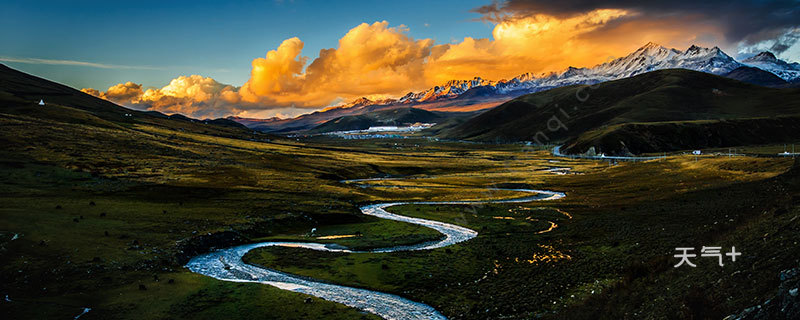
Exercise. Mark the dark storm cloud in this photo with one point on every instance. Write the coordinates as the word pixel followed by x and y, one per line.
pixel 786 41
pixel 748 21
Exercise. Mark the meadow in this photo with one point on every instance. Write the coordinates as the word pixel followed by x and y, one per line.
pixel 105 216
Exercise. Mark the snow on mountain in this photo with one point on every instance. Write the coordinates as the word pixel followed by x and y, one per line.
pixel 449 90
pixel 648 58
pixel 355 104
pixel 768 62
pixel 645 59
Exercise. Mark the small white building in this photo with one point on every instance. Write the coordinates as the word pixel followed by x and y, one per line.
pixel 41 102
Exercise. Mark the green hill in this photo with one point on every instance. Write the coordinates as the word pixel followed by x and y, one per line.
pixel 756 76
pixel 392 117
pixel 603 115
pixel 20 94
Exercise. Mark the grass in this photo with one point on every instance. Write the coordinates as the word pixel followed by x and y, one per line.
pixel 164 190
pixel 156 188
pixel 609 249
pixel 664 110
pixel 377 233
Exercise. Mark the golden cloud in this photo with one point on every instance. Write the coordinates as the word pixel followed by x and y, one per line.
pixel 191 95
pixel 93 92
pixel 128 92
pixel 371 59
pixel 379 61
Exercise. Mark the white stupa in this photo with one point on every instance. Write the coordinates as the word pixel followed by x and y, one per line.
pixel 41 102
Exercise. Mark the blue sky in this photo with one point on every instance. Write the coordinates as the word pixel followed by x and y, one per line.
pixel 143 54
pixel 155 41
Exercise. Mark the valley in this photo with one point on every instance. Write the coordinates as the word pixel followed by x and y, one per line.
pixel 103 226
pixel 114 213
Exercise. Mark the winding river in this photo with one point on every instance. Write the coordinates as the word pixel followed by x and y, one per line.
pixel 227 265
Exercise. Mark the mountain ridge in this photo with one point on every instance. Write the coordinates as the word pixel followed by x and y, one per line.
pixel 460 93
pixel 391 117
pixel 677 97
pixel 21 92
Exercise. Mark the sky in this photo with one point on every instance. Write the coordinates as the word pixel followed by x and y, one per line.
pixel 284 58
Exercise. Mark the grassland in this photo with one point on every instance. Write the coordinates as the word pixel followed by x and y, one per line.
pixel 664 110
pixel 614 255
pixel 92 210
pixel 103 213
pixel 189 185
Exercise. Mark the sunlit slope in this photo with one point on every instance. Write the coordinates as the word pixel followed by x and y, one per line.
pixel 392 117
pixel 20 94
pixel 587 114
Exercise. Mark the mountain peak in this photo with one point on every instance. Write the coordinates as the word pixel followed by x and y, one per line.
pixel 649 57
pixel 694 48
pixel 650 45
pixel 763 56
pixel 361 101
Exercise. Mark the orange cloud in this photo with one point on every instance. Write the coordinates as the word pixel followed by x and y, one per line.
pixel 380 61
pixel 279 74
pixel 191 95
pixel 93 92
pixel 124 92
pixel 128 92
pixel 371 59
pixel 529 44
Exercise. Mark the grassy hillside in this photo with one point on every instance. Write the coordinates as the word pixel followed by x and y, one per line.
pixel 392 117
pixel 20 94
pixel 103 213
pixel 756 76
pixel 653 137
pixel 101 210
pixel 564 114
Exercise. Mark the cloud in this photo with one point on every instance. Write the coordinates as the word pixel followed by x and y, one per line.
pixel 193 95
pixel 378 60
pixel 70 63
pixel 124 92
pixel 779 43
pixel 93 92
pixel 747 22
pixel 370 59
pixel 128 93
pixel 528 44
pixel 277 74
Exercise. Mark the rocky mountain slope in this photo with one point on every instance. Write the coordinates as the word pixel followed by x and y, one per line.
pixel 657 111
pixel 456 94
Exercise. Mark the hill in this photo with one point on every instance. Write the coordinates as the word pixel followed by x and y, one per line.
pixel 481 94
pixel 20 93
pixel 581 116
pixel 756 76
pixel 392 117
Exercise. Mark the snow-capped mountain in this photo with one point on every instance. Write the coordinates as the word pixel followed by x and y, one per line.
pixel 768 62
pixel 648 58
pixel 451 89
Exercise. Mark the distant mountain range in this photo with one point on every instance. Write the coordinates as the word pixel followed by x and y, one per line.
pixel 391 117
pixel 657 111
pixel 768 62
pixel 478 93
